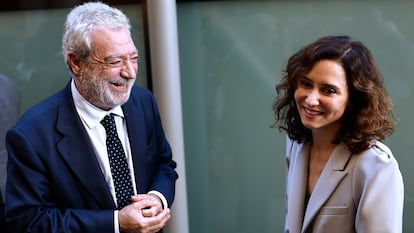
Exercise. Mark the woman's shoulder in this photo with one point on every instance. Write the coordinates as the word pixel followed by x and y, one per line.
pixel 378 151
pixel 376 158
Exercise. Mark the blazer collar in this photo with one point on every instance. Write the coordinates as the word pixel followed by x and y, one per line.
pixel 331 176
pixel 296 189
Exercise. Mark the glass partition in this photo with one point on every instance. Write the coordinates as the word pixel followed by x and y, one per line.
pixel 232 54
pixel 31 50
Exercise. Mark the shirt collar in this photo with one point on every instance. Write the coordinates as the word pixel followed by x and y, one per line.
pixel 90 114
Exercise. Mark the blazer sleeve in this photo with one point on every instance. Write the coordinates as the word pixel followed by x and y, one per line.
pixel 153 162
pixel 164 176
pixel 380 186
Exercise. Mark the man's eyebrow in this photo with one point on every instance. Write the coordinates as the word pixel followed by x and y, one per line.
pixel 115 56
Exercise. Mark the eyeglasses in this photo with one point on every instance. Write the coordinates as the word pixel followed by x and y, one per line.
pixel 115 62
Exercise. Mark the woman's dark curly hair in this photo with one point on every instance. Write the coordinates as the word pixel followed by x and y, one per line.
pixel 369 114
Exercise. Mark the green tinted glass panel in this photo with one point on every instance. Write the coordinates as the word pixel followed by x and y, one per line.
pixel 31 55
pixel 232 54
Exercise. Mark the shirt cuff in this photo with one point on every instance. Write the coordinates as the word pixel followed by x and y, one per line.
pixel 163 200
pixel 116 222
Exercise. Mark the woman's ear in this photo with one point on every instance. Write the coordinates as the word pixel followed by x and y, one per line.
pixel 74 63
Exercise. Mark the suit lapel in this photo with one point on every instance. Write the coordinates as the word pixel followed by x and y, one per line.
pixel 76 149
pixel 331 176
pixel 297 187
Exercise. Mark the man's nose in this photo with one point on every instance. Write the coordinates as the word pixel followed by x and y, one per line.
pixel 130 68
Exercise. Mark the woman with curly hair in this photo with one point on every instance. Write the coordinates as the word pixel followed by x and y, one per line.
pixel 333 105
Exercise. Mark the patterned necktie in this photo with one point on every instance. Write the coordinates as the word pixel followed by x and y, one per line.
pixel 118 163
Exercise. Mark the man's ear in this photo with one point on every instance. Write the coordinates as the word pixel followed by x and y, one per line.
pixel 74 63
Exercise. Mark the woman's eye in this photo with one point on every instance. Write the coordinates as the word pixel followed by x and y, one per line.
pixel 330 91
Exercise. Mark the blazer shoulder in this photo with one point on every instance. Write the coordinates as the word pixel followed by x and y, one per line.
pixel 142 98
pixel 379 152
pixel 378 158
pixel 140 92
pixel 45 111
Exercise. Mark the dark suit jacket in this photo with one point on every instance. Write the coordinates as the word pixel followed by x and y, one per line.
pixel 54 181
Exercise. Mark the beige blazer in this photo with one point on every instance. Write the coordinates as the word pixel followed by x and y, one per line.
pixel 361 193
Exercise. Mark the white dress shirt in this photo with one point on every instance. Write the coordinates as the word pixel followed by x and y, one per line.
pixel 91 117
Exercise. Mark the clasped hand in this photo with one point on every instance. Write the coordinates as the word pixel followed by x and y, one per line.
pixel 144 215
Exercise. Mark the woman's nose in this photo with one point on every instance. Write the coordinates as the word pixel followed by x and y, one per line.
pixel 312 98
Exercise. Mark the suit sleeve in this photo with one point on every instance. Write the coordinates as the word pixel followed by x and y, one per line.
pixel 31 203
pixel 380 186
pixel 164 175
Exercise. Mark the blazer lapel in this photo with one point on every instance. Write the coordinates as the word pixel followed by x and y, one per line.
pixel 76 149
pixel 331 176
pixel 296 189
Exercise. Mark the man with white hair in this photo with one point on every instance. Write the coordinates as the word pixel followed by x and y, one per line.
pixel 93 157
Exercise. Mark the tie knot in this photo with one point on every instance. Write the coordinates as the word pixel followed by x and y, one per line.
pixel 108 123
